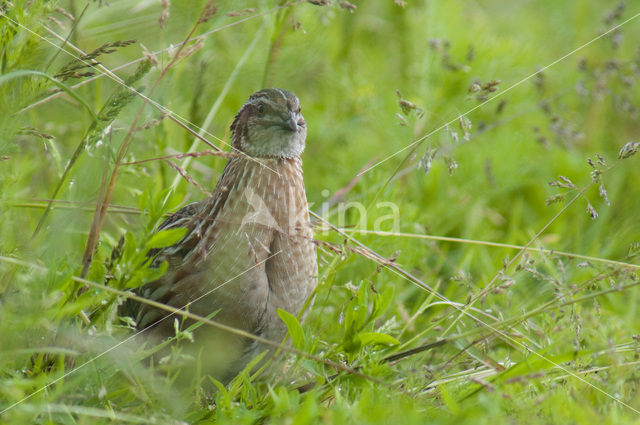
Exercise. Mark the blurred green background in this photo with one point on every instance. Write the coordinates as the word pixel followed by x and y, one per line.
pixel 443 99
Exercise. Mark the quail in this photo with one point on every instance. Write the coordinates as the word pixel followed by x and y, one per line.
pixel 249 249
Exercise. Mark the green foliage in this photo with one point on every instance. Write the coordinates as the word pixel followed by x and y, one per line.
pixel 166 238
pixel 360 314
pixel 433 140
pixel 295 329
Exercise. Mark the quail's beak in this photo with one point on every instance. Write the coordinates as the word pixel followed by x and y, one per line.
pixel 291 123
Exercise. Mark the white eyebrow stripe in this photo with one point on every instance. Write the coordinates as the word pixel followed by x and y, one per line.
pixel 284 96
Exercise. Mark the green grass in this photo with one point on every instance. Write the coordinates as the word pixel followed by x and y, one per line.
pixel 518 336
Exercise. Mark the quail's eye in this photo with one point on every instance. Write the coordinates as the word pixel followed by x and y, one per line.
pixel 260 108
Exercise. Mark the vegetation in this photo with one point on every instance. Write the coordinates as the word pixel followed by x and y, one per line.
pixel 475 159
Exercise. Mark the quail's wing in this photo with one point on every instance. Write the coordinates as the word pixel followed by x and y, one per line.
pixel 182 218
pixel 185 217
pixel 197 218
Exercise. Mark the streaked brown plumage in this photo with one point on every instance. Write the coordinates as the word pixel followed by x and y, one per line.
pixel 249 246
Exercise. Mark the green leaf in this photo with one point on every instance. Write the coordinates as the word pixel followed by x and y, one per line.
pixel 377 338
pixel 449 400
pixel 166 237
pixel 355 316
pixel 295 330
pixel 129 249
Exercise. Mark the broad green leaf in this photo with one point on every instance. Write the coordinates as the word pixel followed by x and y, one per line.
pixel 166 237
pixel 377 338
pixel 295 330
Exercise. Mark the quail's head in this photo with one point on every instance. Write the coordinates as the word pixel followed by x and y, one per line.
pixel 270 125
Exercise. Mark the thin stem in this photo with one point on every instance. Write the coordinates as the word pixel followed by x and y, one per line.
pixel 493 244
